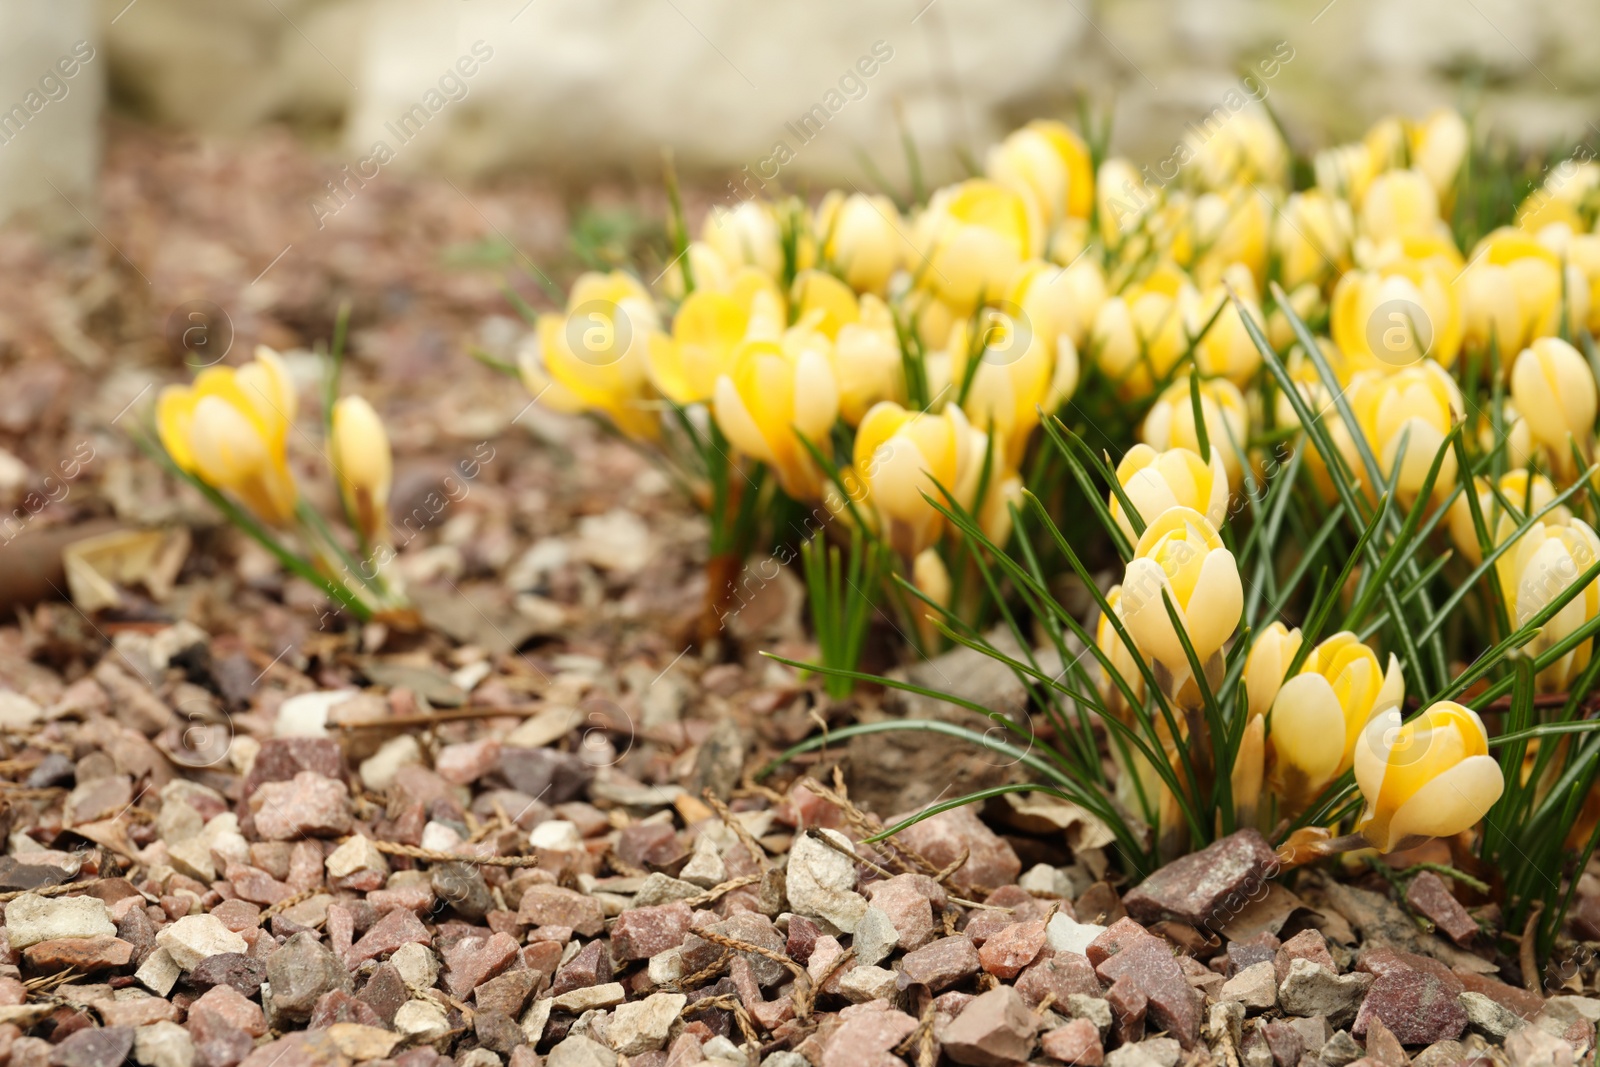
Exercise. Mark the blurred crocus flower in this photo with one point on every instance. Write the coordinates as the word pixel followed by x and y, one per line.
pixel 230 429
pixel 362 463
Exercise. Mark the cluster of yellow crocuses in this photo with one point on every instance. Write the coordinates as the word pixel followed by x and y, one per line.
pixel 874 358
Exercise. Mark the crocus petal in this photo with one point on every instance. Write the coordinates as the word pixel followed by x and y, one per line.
pixel 1452 802
pixel 1145 615
pixel 1308 729
pixel 1215 605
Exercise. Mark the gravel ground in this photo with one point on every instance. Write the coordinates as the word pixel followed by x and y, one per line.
pixel 531 826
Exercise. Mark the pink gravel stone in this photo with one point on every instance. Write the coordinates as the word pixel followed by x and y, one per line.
pixel 1141 965
pixel 397 928
pixel 307 806
pixel 910 901
pixel 417 898
pixel 1428 894
pixel 233 1008
pixel 943 838
pixel 940 964
pixel 1078 1042
pixel 865 1038
pixel 640 933
pixel 465 763
pixel 1306 945
pixel 1006 953
pixel 1057 976
pixel 995 1030
pixel 473 959
pixel 549 905
pixel 256 886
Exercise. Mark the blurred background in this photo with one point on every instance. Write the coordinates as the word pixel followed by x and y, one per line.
pixel 576 91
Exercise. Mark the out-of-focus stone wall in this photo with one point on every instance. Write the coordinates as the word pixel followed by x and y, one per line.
pixel 571 86
pixel 51 88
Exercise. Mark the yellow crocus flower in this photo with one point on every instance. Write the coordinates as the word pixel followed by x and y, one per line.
pixel 774 392
pixel 1430 777
pixel 597 349
pixel 230 429
pixel 970 240
pixel 1181 555
pixel 1318 715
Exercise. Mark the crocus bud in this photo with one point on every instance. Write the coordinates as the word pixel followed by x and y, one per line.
pixel 1247 148
pixel 866 359
pixel 1543 564
pixel 1430 777
pixel 901 455
pixel 1139 336
pixel 1438 146
pixel 773 393
pixel 1414 408
pixel 1512 292
pixel 1181 556
pixel 863 238
pixel 1527 492
pixel 708 327
pixel 1346 171
pixel 1396 316
pixel 971 239
pixel 1170 422
pixel 746 235
pixel 1011 379
pixel 1060 300
pixel 362 463
pixel 932 579
pixel 1554 389
pixel 1274 649
pixel 1155 482
pixel 1047 164
pixel 1226 350
pixel 1319 714
pixel 1122 661
pixel 1249 771
pixel 1223 231
pixel 597 349
pixel 1312 238
pixel 1399 203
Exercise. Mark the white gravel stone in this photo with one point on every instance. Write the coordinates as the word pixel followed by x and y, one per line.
pixel 379 769
pixel 643 1025
pixel 356 854
pixel 197 937
pixel 578 1001
pixel 705 867
pixel 159 972
pixel 861 984
pixel 556 835
pixel 1255 987
pixel 666 967
pixel 875 937
pixel 306 715
pixel 32 918
pixel 418 966
pixel 421 1020
pixel 821 881
pixel 1065 935
pixel 163 1044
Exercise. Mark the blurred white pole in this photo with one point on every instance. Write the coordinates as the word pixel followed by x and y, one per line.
pixel 52 87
